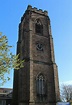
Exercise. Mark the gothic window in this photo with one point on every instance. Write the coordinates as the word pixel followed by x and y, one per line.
pixel 41 89
pixel 38 27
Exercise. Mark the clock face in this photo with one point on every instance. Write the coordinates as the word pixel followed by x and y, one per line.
pixel 39 46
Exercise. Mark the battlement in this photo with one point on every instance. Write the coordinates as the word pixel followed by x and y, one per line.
pixel 37 10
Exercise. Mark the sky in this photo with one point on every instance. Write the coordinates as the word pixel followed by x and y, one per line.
pixel 60 13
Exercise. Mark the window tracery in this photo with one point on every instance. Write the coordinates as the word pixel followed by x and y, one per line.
pixel 41 89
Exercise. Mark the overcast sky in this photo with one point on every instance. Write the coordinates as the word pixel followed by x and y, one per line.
pixel 60 13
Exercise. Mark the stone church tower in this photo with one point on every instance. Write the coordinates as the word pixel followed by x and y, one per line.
pixel 36 83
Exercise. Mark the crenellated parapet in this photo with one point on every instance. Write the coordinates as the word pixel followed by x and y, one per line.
pixel 37 10
pixel 30 10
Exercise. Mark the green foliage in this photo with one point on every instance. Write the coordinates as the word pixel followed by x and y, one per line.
pixel 8 61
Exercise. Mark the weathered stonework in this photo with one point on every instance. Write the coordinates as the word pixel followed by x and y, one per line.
pixel 37 60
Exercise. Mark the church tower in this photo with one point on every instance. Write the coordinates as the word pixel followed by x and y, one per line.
pixel 36 83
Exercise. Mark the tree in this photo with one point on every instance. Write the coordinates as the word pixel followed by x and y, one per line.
pixel 8 61
pixel 66 93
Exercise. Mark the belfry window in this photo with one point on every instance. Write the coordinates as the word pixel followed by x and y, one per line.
pixel 38 27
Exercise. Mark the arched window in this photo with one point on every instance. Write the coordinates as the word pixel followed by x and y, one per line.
pixel 38 27
pixel 41 91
